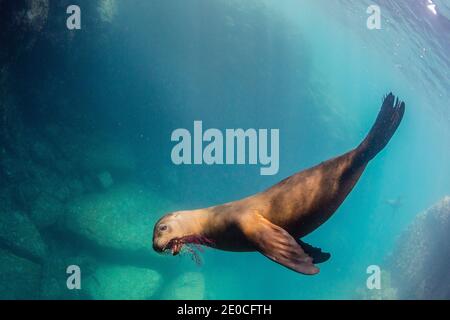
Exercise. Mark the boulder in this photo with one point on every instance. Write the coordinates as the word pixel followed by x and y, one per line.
pixel 43 181
pixel 420 263
pixel 121 218
pixel 188 286
pixel 54 275
pixel 37 14
pixel 19 277
pixel 107 10
pixel 20 236
pixel 46 210
pixel 122 282
pixel 41 151
pixel 105 179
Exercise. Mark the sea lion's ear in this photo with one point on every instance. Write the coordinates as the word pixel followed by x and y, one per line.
pixel 277 244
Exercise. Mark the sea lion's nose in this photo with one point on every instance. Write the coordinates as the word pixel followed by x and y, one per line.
pixel 156 247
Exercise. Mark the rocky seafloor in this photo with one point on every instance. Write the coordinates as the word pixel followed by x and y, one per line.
pixel 68 196
pixel 57 211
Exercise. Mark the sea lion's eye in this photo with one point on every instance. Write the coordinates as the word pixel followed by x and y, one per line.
pixel 163 227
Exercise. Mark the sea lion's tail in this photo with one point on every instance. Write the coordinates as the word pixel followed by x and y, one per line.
pixel 387 122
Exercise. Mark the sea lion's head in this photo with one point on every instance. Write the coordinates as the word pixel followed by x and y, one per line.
pixel 170 232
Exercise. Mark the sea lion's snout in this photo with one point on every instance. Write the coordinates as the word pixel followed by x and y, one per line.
pixel 160 237
pixel 157 248
pixel 174 245
pixel 166 233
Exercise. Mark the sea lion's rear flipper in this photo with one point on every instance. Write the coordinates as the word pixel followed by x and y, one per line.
pixel 388 120
pixel 277 244
pixel 316 253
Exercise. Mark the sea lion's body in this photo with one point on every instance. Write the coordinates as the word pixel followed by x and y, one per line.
pixel 272 221
pixel 299 204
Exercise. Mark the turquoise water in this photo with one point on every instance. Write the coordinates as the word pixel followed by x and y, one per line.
pixel 137 70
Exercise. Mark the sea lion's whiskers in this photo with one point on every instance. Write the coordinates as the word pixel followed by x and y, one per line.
pixel 195 256
pixel 193 245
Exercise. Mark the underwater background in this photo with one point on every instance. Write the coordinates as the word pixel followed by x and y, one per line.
pixel 86 118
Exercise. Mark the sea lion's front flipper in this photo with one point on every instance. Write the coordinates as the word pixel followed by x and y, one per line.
pixel 277 244
pixel 316 253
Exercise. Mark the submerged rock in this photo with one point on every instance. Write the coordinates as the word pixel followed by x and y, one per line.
pixel 420 263
pixel 121 218
pixel 188 286
pixel 41 151
pixel 37 14
pixel 105 179
pixel 46 210
pixel 122 282
pixel 107 10
pixel 20 236
pixel 43 181
pixel 19 277
pixel 54 275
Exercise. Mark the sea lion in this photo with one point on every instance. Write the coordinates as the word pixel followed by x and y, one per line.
pixel 273 221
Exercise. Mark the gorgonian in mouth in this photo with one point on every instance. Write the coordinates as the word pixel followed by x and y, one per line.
pixel 191 243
